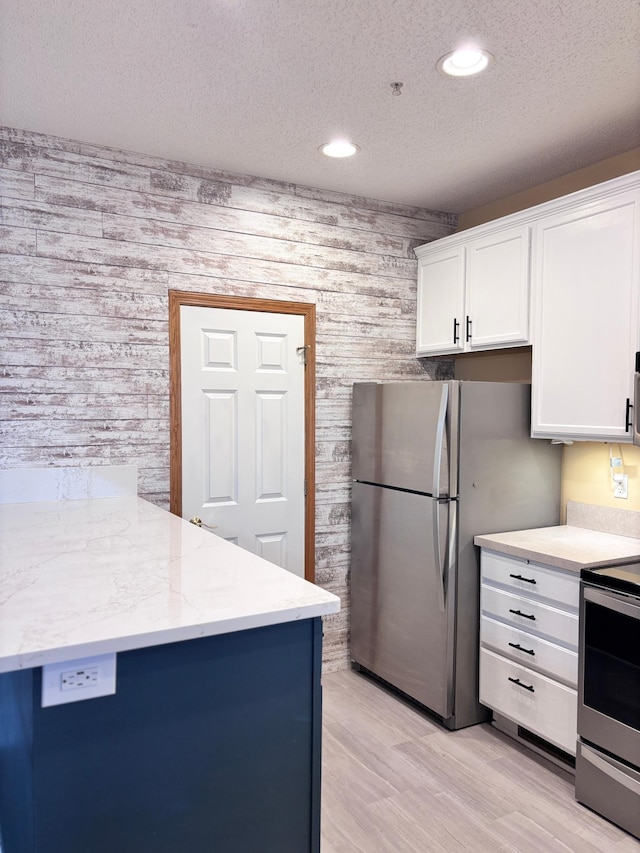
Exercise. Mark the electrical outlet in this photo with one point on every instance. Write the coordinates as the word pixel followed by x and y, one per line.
pixel 621 485
pixel 80 679
pixel 73 680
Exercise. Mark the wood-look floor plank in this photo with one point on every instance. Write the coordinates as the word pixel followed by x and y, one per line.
pixel 380 715
pixel 395 781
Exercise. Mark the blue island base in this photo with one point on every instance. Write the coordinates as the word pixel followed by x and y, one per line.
pixel 208 746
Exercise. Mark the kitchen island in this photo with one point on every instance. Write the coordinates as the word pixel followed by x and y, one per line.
pixel 211 740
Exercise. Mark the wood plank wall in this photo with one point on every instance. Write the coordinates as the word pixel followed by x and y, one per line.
pixel 92 239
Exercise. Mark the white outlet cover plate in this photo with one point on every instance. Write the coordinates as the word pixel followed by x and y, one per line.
pixel 52 673
pixel 621 487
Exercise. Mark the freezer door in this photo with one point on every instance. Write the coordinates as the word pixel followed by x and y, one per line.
pixel 401 434
pixel 398 630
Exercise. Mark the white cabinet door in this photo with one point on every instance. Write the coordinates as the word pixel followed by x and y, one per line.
pixel 441 302
pixel 498 290
pixel 523 576
pixel 540 655
pixel 586 279
pixel 532 700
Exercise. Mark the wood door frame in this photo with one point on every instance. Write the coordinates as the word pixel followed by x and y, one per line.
pixel 177 298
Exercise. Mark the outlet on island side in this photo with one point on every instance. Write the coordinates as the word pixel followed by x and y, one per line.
pixel 74 680
pixel 80 679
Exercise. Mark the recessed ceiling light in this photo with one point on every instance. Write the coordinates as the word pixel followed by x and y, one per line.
pixel 464 62
pixel 339 148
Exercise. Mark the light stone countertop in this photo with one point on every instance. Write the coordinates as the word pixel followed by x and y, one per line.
pixel 86 577
pixel 564 546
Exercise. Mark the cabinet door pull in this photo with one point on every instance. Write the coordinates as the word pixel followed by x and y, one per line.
pixel 456 326
pixel 469 321
pixel 528 687
pixel 520 613
pixel 522 578
pixel 522 649
pixel 627 412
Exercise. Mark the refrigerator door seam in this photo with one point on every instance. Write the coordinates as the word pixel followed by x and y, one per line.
pixel 393 489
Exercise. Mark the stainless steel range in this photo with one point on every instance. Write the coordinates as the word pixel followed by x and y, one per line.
pixel 608 754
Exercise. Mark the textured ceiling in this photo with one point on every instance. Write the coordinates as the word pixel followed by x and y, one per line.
pixel 255 86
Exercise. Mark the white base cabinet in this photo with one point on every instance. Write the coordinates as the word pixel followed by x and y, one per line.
pixel 549 658
pixel 529 646
pixel 539 704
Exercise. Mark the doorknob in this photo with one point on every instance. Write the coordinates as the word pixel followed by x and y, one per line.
pixel 200 523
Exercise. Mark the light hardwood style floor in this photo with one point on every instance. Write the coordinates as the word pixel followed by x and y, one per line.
pixel 394 781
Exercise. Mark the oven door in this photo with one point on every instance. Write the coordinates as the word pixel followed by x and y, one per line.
pixel 609 672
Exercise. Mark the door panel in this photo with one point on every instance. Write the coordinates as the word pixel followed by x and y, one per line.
pixel 243 464
pixel 397 628
pixel 271 435
pixel 221 418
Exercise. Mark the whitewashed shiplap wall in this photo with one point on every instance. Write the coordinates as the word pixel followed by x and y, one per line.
pixel 92 239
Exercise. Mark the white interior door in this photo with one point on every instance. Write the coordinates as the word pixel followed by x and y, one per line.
pixel 242 391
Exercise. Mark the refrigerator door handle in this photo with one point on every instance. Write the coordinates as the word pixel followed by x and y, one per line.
pixel 437 460
pixel 440 428
pixel 437 554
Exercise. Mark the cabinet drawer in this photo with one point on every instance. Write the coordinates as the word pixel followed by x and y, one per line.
pixel 548 709
pixel 532 579
pixel 530 651
pixel 531 616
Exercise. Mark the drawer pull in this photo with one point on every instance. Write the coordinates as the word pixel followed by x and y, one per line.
pixel 522 578
pixel 528 687
pixel 521 648
pixel 520 613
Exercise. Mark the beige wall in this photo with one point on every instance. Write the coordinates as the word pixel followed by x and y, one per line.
pixel 506 365
pixel 92 240
pixel 586 474
pixel 605 170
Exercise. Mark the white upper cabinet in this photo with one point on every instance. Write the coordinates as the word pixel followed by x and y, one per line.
pixel 576 261
pixel 473 291
pixel 498 289
pixel 586 280
pixel 440 301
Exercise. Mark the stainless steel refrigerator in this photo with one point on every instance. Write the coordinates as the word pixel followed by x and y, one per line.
pixel 435 463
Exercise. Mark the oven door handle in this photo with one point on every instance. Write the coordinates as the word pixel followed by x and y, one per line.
pixel 610 770
pixel 613 601
pixel 635 423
